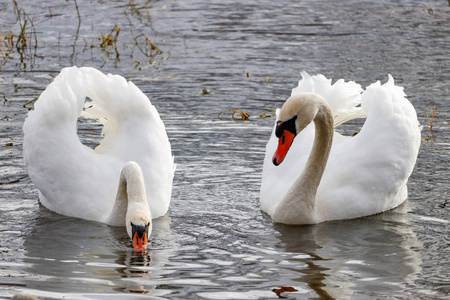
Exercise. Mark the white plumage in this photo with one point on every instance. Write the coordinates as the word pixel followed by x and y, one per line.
pixel 365 174
pixel 77 181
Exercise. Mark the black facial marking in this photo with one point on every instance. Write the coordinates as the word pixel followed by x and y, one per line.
pixel 289 125
pixel 139 229
pixel 279 130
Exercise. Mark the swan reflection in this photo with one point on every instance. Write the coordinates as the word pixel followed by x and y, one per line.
pixel 82 256
pixel 340 258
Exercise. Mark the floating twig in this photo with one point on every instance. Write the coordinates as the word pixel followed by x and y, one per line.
pixel 72 56
pixel 267 114
pixel 238 114
pixel 146 47
pixel 30 102
pixel 110 40
pixel 432 118
pixel 26 36
pixel 284 289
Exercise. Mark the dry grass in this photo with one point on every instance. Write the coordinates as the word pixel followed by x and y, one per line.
pixel 22 41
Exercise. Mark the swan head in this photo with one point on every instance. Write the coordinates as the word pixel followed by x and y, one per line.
pixel 139 228
pixel 296 113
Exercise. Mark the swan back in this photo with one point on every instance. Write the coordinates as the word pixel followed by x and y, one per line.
pixel 383 155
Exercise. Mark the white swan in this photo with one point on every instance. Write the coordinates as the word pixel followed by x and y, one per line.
pixel 324 178
pixel 77 181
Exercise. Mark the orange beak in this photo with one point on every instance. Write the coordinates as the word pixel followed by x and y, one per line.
pixel 140 243
pixel 284 143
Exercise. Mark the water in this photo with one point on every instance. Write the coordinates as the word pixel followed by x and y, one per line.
pixel 215 243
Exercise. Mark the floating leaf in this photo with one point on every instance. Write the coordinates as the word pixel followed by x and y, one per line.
pixel 203 92
pixel 283 289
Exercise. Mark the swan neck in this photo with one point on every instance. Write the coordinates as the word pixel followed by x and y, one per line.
pixel 298 206
pixel 131 191
pixel 317 160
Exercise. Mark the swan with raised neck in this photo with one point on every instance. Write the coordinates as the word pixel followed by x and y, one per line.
pixel 298 205
pixel 131 207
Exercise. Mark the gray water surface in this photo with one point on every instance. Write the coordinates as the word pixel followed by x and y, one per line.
pixel 215 243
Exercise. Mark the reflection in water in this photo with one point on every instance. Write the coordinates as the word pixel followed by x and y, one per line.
pixel 92 257
pixel 133 265
pixel 137 259
pixel 301 239
pixel 374 254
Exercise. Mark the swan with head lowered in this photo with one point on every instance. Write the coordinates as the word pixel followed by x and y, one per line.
pixel 127 179
pixel 313 174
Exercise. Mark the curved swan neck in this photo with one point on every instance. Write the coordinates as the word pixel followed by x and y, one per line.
pixel 298 206
pixel 131 194
pixel 317 160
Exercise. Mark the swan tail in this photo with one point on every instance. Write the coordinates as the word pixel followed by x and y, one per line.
pixel 388 99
